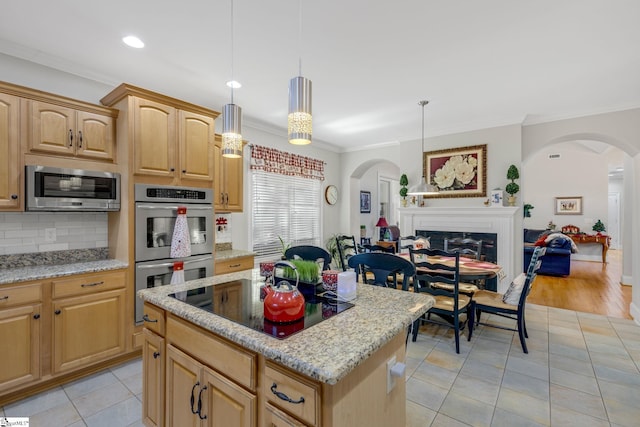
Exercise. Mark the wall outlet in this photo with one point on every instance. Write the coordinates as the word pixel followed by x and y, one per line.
pixel 50 235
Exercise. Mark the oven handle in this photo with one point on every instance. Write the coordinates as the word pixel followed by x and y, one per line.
pixel 175 207
pixel 170 264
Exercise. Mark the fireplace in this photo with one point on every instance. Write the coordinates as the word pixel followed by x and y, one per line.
pixel 499 224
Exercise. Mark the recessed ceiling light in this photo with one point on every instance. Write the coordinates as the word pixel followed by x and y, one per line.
pixel 234 84
pixel 133 41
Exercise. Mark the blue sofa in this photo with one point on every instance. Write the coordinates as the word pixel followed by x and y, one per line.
pixel 557 260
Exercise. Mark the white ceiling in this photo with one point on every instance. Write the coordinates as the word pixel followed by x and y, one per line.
pixel 479 63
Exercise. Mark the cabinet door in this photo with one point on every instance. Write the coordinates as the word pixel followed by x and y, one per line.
pixel 95 135
pixel 154 138
pixel 153 358
pixel 228 300
pixel 52 128
pixel 225 403
pixel 233 183
pixel 218 176
pixel 88 329
pixel 183 389
pixel 196 140
pixel 19 345
pixel 9 153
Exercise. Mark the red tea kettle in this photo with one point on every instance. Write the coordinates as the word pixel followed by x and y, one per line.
pixel 283 302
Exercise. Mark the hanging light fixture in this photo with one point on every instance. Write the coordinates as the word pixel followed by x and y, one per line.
pixel 423 188
pixel 232 116
pixel 300 121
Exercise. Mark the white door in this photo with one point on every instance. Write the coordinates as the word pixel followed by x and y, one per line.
pixel 613 228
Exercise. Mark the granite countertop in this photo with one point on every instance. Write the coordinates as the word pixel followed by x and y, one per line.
pixel 232 253
pixel 38 272
pixel 327 351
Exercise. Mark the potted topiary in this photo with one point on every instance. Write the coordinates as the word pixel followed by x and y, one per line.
pixel 599 227
pixel 404 181
pixel 512 188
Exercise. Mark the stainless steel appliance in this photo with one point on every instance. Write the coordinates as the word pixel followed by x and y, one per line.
pixel 156 211
pixel 59 189
pixel 150 274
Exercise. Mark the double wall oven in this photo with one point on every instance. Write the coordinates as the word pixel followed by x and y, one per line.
pixel 155 217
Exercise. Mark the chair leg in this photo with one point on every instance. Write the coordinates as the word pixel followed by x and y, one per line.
pixel 470 310
pixel 521 333
pixel 416 327
pixel 456 331
pixel 524 325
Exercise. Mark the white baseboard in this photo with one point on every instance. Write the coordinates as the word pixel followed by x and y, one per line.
pixel 626 280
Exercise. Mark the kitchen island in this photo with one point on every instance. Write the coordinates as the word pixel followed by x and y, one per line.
pixel 197 364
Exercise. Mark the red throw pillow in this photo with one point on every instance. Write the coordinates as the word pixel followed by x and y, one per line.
pixel 540 241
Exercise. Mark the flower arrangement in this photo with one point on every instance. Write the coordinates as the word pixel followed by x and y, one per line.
pixel 458 172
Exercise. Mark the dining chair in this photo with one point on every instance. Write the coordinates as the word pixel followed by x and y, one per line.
pixel 346 249
pixel 466 288
pixel 378 248
pixel 383 265
pixel 311 253
pixel 452 307
pixel 511 304
pixel 467 247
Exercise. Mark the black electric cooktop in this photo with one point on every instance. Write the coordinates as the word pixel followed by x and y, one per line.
pixel 240 301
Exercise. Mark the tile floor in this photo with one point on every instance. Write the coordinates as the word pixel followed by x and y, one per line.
pixel 582 370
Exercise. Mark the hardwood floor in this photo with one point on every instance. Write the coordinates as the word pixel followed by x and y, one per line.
pixel 591 287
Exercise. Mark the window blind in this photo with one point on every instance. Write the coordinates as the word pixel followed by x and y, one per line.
pixel 287 207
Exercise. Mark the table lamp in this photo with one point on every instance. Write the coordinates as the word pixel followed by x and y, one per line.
pixel 382 223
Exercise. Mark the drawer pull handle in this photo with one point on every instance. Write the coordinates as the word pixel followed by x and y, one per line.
pixel 234 265
pixel 79 139
pixel 4 298
pixel 86 285
pixel 284 397
pixel 57 312
pixel 193 397
pixel 36 316
pixel 156 354
pixel 202 417
pixel 70 138
pixel 146 319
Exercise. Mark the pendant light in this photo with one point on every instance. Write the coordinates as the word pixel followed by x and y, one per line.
pixel 232 116
pixel 423 188
pixel 300 121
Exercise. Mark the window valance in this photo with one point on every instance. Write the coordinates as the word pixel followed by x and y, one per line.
pixel 275 161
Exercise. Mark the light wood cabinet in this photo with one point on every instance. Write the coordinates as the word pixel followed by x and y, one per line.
pixel 228 181
pixel 233 265
pixel 227 300
pixel 20 329
pixel 58 129
pixel 153 367
pixel 10 172
pixel 89 326
pixel 170 141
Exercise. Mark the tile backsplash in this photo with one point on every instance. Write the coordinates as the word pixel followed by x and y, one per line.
pixel 27 232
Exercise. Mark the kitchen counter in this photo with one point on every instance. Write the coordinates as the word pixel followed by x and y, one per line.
pixel 328 351
pixel 230 254
pixel 38 272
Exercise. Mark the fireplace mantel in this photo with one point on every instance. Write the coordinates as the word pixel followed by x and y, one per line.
pixel 498 220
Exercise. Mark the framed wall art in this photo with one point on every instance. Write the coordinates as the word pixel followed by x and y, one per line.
pixel 457 172
pixel 568 206
pixel 365 202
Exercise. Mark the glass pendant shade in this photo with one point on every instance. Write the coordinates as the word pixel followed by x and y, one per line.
pixel 300 121
pixel 231 131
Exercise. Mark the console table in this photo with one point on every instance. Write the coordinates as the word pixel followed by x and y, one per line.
pixel 602 239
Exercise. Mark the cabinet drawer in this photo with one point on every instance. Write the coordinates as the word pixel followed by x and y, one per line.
pixel 285 383
pixel 155 318
pixel 86 284
pixel 225 357
pixel 18 295
pixel 277 418
pixel 233 264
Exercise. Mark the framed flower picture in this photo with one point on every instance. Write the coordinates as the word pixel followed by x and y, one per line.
pixel 457 172
pixel 568 206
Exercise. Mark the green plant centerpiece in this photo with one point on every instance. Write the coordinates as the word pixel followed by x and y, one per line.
pixel 283 247
pixel 404 181
pixel 512 188
pixel 598 227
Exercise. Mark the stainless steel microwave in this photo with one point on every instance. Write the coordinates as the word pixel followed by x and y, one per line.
pixel 59 189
